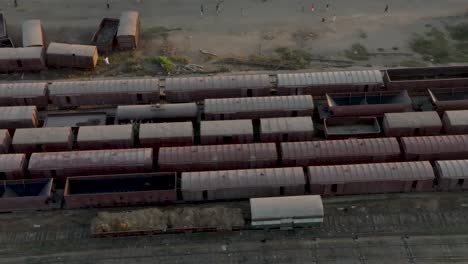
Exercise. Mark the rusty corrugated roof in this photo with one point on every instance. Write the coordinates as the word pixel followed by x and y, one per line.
pixel 435 144
pixel 128 23
pixel 20 89
pixel 103 133
pixel 104 86
pixel 452 169
pixel 393 171
pixel 166 130
pixel 42 135
pixel 330 78
pixel 197 83
pixel 412 120
pixel 286 124
pixel 225 179
pixel 226 127
pixel 248 104
pixel 11 162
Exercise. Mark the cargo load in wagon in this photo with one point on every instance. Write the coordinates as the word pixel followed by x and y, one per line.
pixel 351 127
pixel 104 38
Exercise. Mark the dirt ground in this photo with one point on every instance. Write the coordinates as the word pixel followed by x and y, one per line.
pixel 243 28
pixel 397 228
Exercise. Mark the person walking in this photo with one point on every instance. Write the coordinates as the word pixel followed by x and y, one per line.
pixel 386 9
pixel 218 7
pixel 108 4
pixel 334 19
pixel 326 7
pixel 202 10
pixel 16 3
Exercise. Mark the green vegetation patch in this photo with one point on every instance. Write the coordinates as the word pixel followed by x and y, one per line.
pixel 459 32
pixel 357 52
pixel 433 46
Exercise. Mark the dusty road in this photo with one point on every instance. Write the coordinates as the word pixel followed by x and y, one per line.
pixel 245 27
pixel 421 228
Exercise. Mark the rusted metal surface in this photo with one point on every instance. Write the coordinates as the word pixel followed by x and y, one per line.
pixel 105 137
pixel 320 83
pixel 351 127
pixel 449 99
pixel 412 124
pixel 190 89
pixel 453 174
pixel 128 33
pixel 187 111
pixel 104 38
pixel 23 93
pixel 283 129
pixel 368 104
pixel 5 141
pixel 75 119
pixel 29 140
pixel 71 56
pixel 30 59
pixel 104 92
pixel 371 178
pixel 435 147
pixel 420 79
pixel 218 157
pixel 226 132
pixel 12 166
pixel 90 162
pixel 18 117
pixel 340 151
pixel 31 194
pixel 258 107
pixel 33 33
pixel 456 122
pixel 240 184
pixel 120 190
pixel 166 134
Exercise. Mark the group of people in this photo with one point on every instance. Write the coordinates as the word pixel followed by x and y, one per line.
pixel 218 9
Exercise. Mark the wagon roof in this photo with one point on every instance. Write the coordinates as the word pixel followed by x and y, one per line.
pixel 128 23
pixel 21 53
pixel 247 104
pixel 20 89
pixel 92 158
pixel 11 162
pixel 78 50
pixel 215 153
pixel 330 78
pixel 225 179
pixel 457 118
pixel 17 112
pixel 32 33
pixel 435 144
pixel 166 130
pixel 338 148
pixel 413 119
pixel 402 171
pixel 286 124
pixel 453 169
pixel 197 83
pixel 102 133
pixel 149 85
pixel 42 135
pixel 226 127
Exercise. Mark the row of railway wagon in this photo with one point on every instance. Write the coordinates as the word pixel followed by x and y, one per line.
pixel 230 148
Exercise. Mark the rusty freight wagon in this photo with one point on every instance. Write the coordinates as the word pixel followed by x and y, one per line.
pixel 105 137
pixel 449 99
pixel 29 140
pixel 120 190
pixel 320 83
pixel 18 117
pixel 371 178
pixel 283 129
pixel 128 33
pixel 67 94
pixel 31 194
pixel 22 59
pixel 13 166
pixel 218 157
pixel 435 147
pixel 351 127
pixel 419 79
pixel 191 89
pixel 368 104
pixel 452 174
pixel 5 141
pixel 226 132
pixel 412 124
pixel 258 107
pixel 33 33
pixel 456 122
pixel 75 119
pixel 156 112
pixel 166 135
pixel 242 184
pixel 23 93
pixel 62 55
pixel 90 162
pixel 340 151
pixel 104 38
